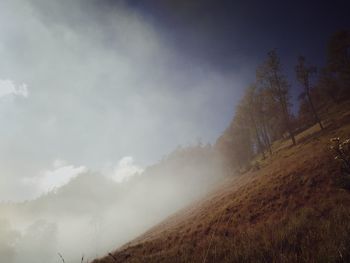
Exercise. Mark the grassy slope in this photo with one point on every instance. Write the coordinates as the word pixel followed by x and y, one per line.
pixel 288 211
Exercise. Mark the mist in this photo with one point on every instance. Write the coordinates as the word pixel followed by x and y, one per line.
pixel 93 99
pixel 101 83
pixel 93 214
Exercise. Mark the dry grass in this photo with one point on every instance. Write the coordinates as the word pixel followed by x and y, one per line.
pixel 288 211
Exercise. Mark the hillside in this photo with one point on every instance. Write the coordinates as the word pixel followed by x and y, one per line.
pixel 289 210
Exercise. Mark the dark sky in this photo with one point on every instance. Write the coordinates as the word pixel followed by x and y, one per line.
pixel 223 32
pixel 230 35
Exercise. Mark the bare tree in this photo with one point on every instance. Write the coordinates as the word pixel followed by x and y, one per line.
pixel 303 73
pixel 270 73
pixel 248 108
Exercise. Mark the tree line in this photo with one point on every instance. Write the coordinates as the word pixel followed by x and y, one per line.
pixel 264 115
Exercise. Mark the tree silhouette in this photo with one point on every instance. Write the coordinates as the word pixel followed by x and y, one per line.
pixel 338 60
pixel 303 74
pixel 270 74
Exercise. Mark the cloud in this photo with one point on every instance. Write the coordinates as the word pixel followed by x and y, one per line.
pixel 126 169
pixel 104 84
pixel 60 174
pixel 8 87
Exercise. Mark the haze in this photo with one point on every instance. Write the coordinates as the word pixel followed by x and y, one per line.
pixel 100 85
pixel 89 98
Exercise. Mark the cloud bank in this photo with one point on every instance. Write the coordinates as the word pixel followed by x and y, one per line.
pixel 126 168
pixel 104 84
pixel 7 87
pixel 50 180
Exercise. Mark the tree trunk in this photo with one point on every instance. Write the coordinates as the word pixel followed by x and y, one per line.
pixel 260 146
pixel 317 119
pixel 267 139
pixel 283 102
pixel 287 120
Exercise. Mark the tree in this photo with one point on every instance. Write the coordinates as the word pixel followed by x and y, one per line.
pixel 328 85
pixel 303 74
pixel 338 60
pixel 339 52
pixel 235 144
pixel 263 111
pixel 270 74
pixel 249 111
pixel 305 118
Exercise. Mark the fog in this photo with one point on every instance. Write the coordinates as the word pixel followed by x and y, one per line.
pixel 93 98
pixel 93 214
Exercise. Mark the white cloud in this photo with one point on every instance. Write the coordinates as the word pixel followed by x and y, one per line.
pixel 60 174
pixel 125 169
pixel 8 87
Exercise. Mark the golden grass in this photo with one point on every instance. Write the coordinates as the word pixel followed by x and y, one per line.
pixel 288 211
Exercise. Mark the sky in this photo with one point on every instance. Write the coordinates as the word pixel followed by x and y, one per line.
pixel 113 86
